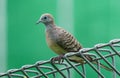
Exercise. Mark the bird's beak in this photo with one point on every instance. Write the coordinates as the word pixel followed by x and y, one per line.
pixel 39 21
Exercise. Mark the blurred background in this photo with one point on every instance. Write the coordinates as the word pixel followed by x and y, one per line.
pixel 23 42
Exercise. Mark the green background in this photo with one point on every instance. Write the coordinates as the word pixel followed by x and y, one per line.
pixel 95 21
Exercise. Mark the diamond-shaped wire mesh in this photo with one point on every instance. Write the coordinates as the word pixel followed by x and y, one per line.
pixel 106 53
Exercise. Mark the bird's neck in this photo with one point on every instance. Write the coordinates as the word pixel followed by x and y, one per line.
pixel 50 26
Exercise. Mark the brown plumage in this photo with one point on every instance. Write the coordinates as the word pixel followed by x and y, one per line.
pixel 59 40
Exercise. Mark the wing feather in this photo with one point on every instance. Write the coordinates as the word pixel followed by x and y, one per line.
pixel 67 41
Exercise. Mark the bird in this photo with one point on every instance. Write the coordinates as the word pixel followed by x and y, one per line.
pixel 61 41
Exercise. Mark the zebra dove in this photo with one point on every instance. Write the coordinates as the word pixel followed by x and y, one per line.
pixel 61 41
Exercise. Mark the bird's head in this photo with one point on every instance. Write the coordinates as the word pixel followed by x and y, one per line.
pixel 46 19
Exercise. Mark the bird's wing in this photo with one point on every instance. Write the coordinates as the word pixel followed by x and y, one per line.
pixel 67 41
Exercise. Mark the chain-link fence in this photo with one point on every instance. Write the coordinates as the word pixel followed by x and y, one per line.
pixel 106 53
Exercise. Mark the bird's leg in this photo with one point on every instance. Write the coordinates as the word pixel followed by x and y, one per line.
pixel 58 58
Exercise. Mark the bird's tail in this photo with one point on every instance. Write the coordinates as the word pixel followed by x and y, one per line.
pixel 78 59
pixel 103 66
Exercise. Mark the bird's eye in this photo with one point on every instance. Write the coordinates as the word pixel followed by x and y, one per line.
pixel 45 17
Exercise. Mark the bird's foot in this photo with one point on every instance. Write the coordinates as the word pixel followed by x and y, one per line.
pixel 59 59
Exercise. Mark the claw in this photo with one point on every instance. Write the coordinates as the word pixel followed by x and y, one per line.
pixel 58 58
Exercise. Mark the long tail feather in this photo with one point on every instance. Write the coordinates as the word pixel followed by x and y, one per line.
pixel 103 66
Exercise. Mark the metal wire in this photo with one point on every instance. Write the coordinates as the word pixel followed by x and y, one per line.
pixel 107 53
